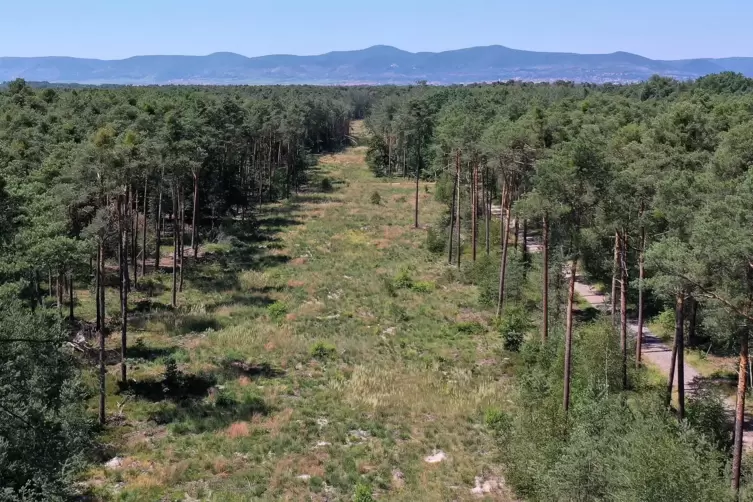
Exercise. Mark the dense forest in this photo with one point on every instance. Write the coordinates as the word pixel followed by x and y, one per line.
pixel 644 189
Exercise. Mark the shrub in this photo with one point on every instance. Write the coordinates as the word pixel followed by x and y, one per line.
pixel 497 420
pixel 363 493
pixel 707 414
pixel 403 280
pixel 277 310
pixel 325 185
pixel 665 324
pixel 401 199
pixel 423 286
pixel 435 242
pixel 513 327
pixel 375 198
pixel 469 327
pixel 323 351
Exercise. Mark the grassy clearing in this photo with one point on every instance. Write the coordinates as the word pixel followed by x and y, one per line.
pixel 320 348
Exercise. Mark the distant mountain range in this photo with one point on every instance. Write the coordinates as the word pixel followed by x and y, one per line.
pixel 375 65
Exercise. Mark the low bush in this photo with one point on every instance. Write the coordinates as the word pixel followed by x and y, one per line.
pixel 375 198
pixel 323 351
pixel 513 327
pixel 435 241
pixel 277 310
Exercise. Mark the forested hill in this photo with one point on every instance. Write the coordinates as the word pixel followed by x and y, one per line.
pixel 375 65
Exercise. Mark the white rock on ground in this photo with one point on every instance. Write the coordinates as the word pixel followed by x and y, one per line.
pixel 438 456
pixel 114 463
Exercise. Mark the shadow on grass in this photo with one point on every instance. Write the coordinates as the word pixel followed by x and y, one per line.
pixel 235 369
pixel 586 315
pixel 143 352
pixel 192 403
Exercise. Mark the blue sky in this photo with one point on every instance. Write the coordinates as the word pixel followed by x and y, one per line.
pixel 112 29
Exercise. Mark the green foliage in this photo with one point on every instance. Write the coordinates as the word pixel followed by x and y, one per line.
pixel 423 286
pixel 45 432
pixel 363 493
pixel 323 351
pixel 513 326
pixel 375 198
pixel 553 457
pixel 403 280
pixel 277 310
pixel 435 241
pixel 469 327
pixel 325 185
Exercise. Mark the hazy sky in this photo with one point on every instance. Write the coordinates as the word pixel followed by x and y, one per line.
pixel 111 29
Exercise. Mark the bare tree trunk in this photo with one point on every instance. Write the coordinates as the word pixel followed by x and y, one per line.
pixel 101 327
pixel 623 307
pixel 452 214
pixel 418 175
pixel 615 272
pixel 692 322
pixel 641 276
pixel 474 209
pixel 71 298
pixel 158 231
pixel 175 247
pixel 457 209
pixel 515 237
pixel 123 218
pixel 487 209
pixel 135 237
pixel 101 285
pixel 59 292
pixel 182 234
pixel 143 240
pixel 742 375
pixel 194 240
pixel 545 278
pixel 678 362
pixel 569 335
pixel 524 244
pixel 680 358
pixel 506 206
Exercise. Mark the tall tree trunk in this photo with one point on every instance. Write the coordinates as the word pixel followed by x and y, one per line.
pixel 474 209
pixel 182 235
pixel 158 230
pixel 135 237
pixel 680 357
pixel 692 317
pixel 545 278
pixel 175 247
pixel 487 209
pixel 194 221
pixel 742 375
pixel 641 276
pixel 71 298
pixel 59 292
pixel 101 314
pixel 452 213
pixel 524 244
pixel 569 335
pixel 418 175
pixel 678 362
pixel 506 206
pixel 97 280
pixel 123 220
pixel 125 244
pixel 458 244
pixel 143 240
pixel 615 272
pixel 515 237
pixel 623 307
